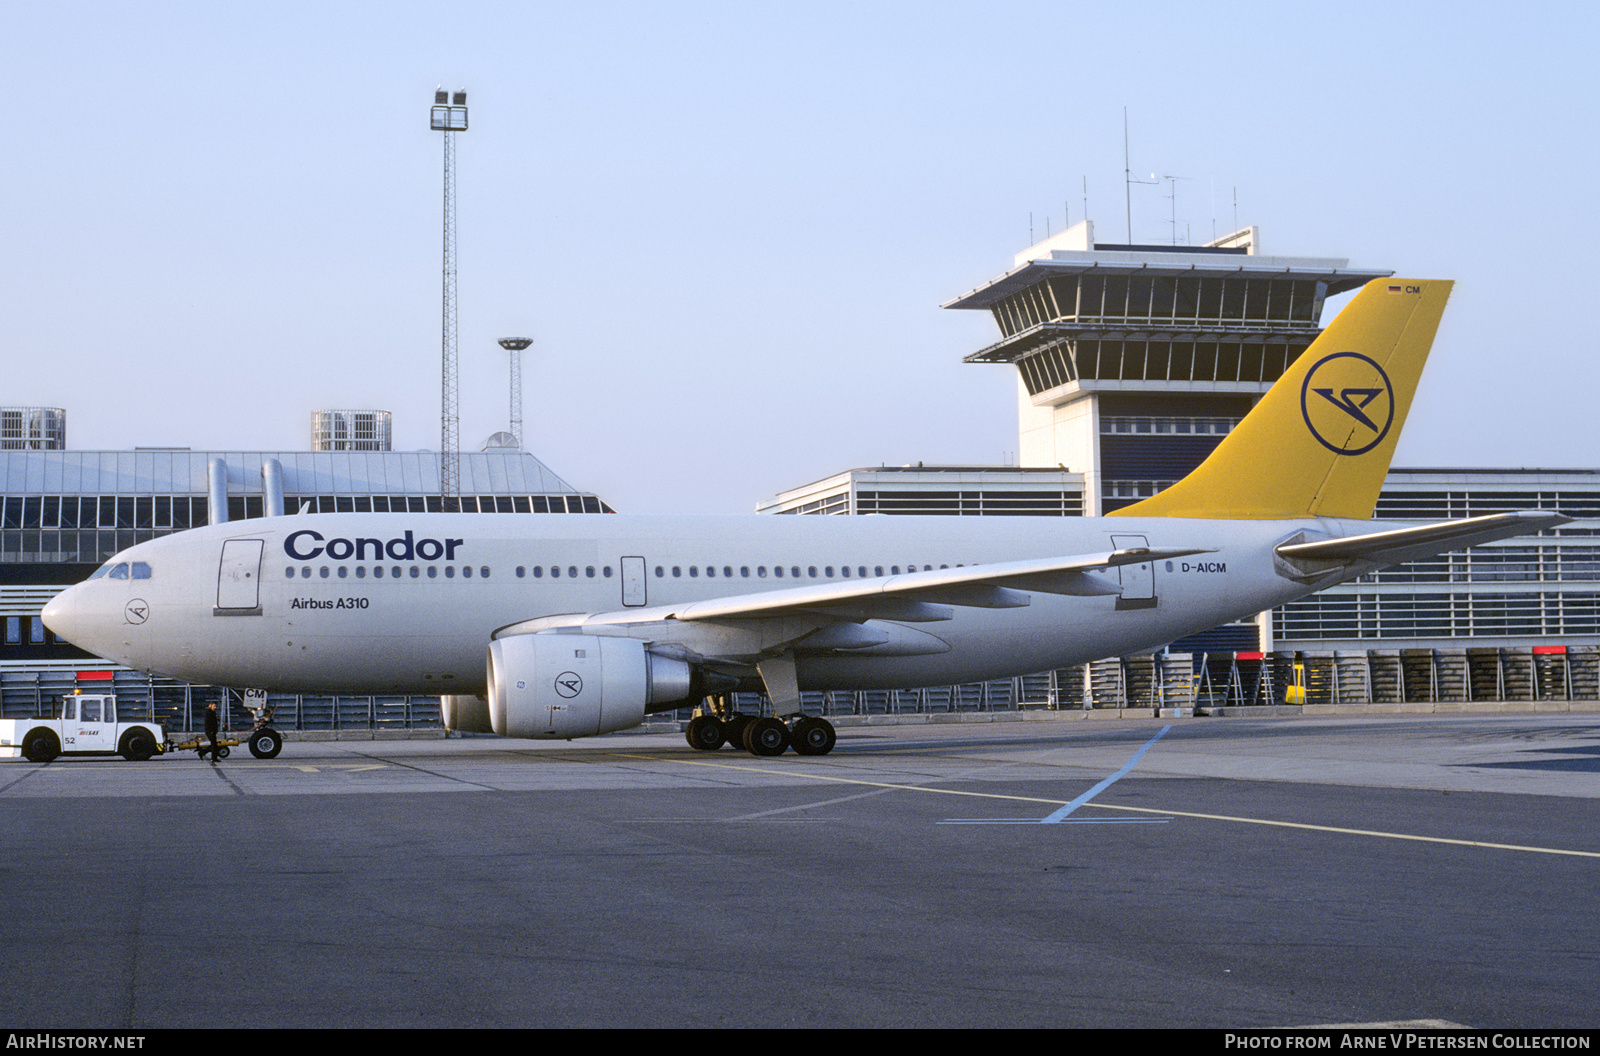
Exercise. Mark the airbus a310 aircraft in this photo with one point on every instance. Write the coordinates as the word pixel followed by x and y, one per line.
pixel 591 623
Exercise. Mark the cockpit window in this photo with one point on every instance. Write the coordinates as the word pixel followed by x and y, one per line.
pixel 101 571
pixel 119 570
pixel 141 570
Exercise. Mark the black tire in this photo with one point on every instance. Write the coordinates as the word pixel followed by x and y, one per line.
pixel 266 743
pixel 733 729
pixel 767 736
pixel 41 746
pixel 812 737
pixel 223 753
pixel 138 746
pixel 705 733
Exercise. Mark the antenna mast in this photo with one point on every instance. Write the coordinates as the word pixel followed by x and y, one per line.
pixel 1127 176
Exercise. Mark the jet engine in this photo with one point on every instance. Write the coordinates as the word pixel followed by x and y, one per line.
pixel 578 685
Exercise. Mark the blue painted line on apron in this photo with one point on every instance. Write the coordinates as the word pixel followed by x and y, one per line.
pixel 1061 814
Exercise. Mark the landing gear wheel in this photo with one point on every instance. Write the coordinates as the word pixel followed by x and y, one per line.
pixel 733 729
pixel 138 746
pixel 41 747
pixel 767 736
pixel 266 743
pixel 812 736
pixel 705 734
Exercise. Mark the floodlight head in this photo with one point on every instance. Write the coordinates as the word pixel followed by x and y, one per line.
pixel 515 344
pixel 440 96
pixel 460 99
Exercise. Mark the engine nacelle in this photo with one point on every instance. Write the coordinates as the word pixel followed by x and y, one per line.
pixel 465 714
pixel 577 685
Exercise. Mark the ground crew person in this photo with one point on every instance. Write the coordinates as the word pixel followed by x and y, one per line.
pixel 211 729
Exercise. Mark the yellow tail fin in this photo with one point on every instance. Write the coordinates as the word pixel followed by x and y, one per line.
pixel 1319 442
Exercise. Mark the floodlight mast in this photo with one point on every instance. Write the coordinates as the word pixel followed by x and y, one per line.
pixel 449 115
pixel 515 345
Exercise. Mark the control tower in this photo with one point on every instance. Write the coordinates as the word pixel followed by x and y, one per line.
pixel 1134 361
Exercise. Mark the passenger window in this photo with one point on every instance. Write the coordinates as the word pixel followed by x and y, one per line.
pixel 484 571
pixel 433 572
pixel 744 571
pixel 659 572
pixel 694 571
pixel 323 571
pixel 449 571
pixel 415 572
pixel 555 571
pixel 588 571
pixel 521 572
pixel 361 571
pixel 343 572
pixel 572 571
pixel 777 570
pixel 466 571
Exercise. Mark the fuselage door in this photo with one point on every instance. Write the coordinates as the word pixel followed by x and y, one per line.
pixel 239 578
pixel 1138 581
pixel 633 582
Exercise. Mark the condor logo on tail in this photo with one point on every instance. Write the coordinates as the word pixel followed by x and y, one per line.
pixel 1348 403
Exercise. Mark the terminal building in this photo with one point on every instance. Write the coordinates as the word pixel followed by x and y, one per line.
pixel 64 512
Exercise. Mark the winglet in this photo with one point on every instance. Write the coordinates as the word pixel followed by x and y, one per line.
pixel 1320 441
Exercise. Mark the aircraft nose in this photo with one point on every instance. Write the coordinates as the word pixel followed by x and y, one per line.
pixel 60 615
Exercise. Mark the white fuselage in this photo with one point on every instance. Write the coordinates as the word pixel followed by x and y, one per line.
pixel 407 603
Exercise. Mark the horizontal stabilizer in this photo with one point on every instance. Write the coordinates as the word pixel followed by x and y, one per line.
pixel 1409 544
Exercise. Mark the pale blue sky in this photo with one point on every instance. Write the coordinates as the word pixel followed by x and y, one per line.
pixel 729 226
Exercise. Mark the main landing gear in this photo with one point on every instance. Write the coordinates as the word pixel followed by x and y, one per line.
pixel 761 736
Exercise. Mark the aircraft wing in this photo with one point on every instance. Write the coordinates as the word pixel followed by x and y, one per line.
pixel 847 614
pixel 998 586
pixel 1408 544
